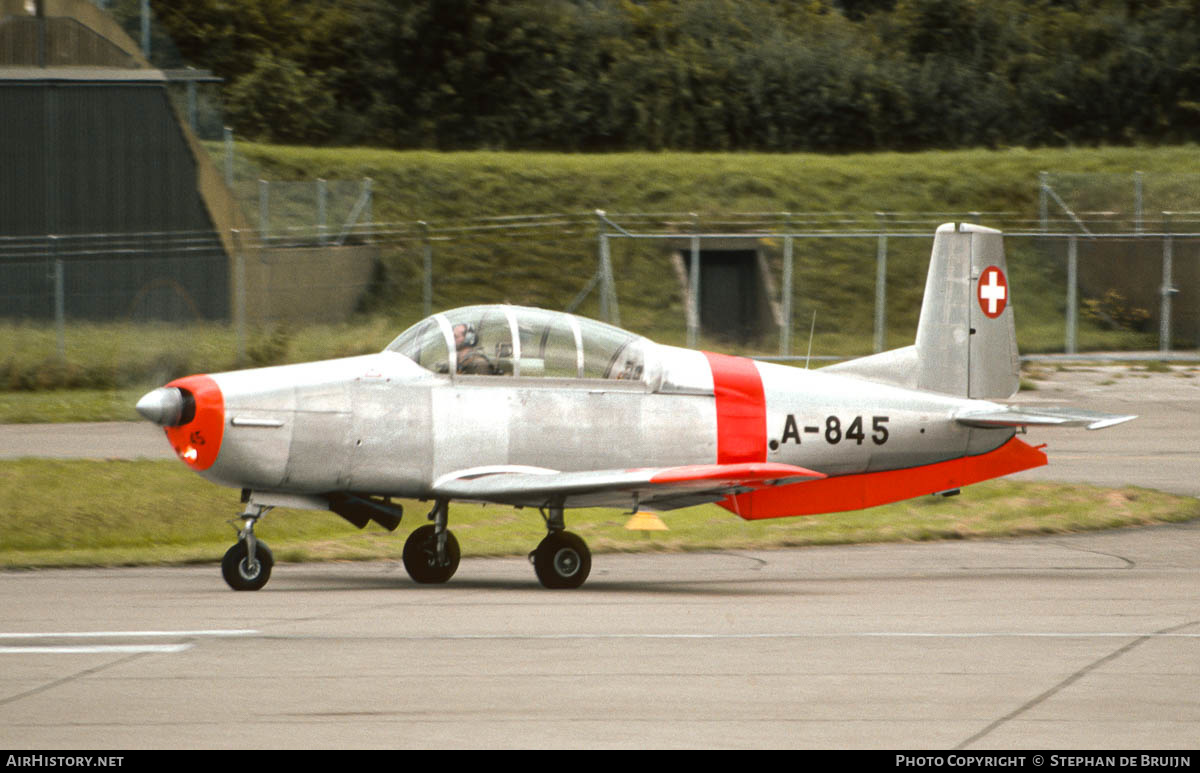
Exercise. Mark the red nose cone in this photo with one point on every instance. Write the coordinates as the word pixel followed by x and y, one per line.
pixel 198 441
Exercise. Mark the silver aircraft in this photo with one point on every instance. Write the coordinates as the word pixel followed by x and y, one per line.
pixel 543 409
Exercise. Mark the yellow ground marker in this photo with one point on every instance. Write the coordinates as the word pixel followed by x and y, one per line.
pixel 646 520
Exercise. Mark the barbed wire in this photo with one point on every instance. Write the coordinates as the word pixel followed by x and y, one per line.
pixel 1103 225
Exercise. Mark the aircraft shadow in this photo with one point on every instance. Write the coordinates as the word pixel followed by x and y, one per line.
pixel 326 582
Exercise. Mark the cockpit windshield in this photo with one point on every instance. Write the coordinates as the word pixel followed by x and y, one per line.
pixel 521 341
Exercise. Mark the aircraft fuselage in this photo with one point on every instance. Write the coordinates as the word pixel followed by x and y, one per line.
pixel 380 424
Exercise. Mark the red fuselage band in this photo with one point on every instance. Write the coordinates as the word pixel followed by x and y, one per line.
pixel 741 409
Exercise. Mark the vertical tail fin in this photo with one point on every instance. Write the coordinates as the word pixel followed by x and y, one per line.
pixel 966 338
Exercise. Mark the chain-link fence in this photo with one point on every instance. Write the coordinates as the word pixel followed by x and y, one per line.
pixel 305 212
pixel 1117 203
pixel 846 283
pixel 778 284
pixel 840 280
pixel 176 276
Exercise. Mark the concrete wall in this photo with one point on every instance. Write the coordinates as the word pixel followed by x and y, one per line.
pixel 306 284
pixel 70 33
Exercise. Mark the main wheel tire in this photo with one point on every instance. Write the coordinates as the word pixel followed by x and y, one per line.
pixel 562 560
pixel 420 556
pixel 237 571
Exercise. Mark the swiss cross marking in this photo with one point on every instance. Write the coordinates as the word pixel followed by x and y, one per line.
pixel 993 292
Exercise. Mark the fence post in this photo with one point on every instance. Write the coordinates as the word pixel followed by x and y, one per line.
pixel 229 157
pixel 427 269
pixel 1167 289
pixel 608 291
pixel 785 333
pixel 881 284
pixel 609 308
pixel 322 201
pixel 1137 202
pixel 1043 200
pixel 693 309
pixel 192 108
pixel 264 210
pixel 369 196
pixel 604 254
pixel 60 303
pixel 145 14
pixel 1072 293
pixel 610 282
pixel 239 294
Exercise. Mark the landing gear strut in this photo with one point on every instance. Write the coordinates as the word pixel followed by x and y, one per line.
pixel 247 565
pixel 431 552
pixel 562 559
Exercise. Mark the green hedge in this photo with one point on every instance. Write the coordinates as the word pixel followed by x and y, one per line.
pixel 825 75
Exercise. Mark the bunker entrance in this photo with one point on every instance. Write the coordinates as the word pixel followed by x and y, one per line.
pixel 733 296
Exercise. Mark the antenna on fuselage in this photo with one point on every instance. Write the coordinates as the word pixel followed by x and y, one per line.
pixel 812 329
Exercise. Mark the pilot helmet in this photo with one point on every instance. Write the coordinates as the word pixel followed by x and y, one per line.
pixel 469 336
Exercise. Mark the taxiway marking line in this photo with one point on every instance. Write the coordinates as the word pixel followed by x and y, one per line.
pixel 92 649
pixel 116 634
pixel 858 635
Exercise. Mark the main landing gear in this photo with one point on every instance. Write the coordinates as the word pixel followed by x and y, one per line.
pixel 247 565
pixel 431 552
pixel 561 560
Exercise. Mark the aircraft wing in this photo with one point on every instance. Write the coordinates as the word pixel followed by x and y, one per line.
pixel 663 488
pixel 1021 416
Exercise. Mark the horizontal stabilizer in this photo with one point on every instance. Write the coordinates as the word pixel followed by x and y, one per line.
pixel 663 487
pixel 1023 416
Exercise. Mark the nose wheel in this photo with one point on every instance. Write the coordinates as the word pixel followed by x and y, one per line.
pixel 242 572
pixel 247 565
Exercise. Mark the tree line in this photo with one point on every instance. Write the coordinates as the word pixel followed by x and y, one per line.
pixel 752 75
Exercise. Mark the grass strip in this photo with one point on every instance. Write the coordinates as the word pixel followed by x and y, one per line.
pixel 122 513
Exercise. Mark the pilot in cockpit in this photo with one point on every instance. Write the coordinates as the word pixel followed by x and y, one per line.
pixel 470 356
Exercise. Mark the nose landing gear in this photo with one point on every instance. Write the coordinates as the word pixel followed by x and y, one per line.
pixel 247 565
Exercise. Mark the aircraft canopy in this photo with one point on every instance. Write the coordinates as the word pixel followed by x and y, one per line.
pixel 502 340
